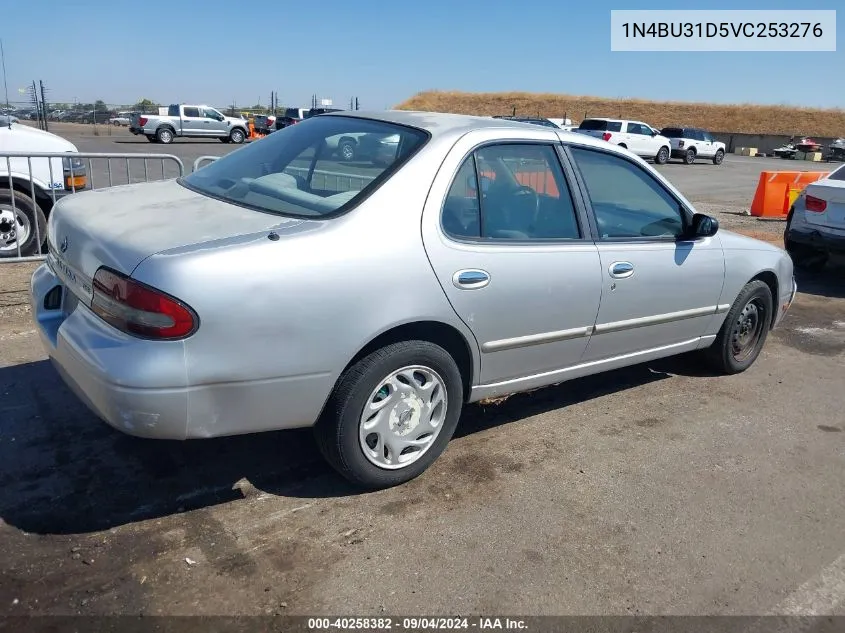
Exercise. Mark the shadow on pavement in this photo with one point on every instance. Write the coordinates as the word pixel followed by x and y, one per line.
pixel 63 471
pixel 829 282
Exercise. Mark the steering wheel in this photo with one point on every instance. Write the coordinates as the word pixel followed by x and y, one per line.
pixel 525 190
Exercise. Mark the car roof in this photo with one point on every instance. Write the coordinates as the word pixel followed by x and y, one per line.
pixel 443 125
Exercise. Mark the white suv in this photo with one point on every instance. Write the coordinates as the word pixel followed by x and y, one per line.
pixel 690 143
pixel 635 136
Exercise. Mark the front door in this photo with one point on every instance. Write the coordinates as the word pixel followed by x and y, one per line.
pixel 215 123
pixel 515 260
pixel 659 289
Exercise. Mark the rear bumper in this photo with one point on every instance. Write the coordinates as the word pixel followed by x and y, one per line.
pixel 823 239
pixel 148 388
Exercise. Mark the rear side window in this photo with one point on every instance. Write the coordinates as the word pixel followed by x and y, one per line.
pixel 524 196
pixel 192 112
pixel 672 132
pixel 839 174
pixel 593 124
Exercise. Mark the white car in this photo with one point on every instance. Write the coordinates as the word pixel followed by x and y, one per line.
pixel 690 143
pixel 38 182
pixel 122 118
pixel 815 225
pixel 635 136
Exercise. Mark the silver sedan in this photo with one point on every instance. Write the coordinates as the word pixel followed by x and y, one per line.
pixel 283 287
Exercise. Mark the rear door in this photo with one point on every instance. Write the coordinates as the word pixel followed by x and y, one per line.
pixel 639 139
pixel 660 291
pixel 193 123
pixel 831 191
pixel 516 260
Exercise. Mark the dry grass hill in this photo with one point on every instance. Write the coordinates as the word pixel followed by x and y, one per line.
pixel 734 118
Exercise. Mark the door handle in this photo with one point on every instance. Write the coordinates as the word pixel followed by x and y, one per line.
pixel 470 279
pixel 620 270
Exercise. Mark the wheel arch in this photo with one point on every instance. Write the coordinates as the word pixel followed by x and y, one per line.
pixel 447 336
pixel 769 278
pixel 24 186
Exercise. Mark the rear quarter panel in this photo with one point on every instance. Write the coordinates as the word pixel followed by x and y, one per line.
pixel 300 308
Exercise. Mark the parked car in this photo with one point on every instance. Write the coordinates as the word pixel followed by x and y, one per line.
pixel 264 123
pixel 815 225
pixel 190 121
pixel 271 290
pixel 7 119
pixel 290 116
pixel 691 143
pixel 25 207
pixel 636 136
pixel 122 118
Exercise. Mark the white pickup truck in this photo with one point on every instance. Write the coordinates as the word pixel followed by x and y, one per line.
pixel 29 186
pixel 191 121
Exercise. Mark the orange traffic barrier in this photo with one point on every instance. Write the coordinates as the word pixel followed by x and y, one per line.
pixel 777 189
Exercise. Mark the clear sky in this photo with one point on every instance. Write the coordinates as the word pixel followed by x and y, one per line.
pixel 217 51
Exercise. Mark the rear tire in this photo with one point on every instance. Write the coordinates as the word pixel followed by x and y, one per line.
pixel 22 224
pixel 744 332
pixel 718 157
pixel 346 150
pixel 345 430
pixel 689 156
pixel 164 135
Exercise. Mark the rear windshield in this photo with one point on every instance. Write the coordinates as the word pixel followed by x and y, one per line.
pixel 311 169
pixel 600 125
pixel 292 113
pixel 839 174
pixel 672 132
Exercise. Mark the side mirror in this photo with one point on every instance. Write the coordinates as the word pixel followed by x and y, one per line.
pixel 703 225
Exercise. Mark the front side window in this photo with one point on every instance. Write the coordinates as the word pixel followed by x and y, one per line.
pixel 511 192
pixel 301 170
pixel 626 200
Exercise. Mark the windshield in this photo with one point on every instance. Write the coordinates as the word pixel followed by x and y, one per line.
pixel 311 169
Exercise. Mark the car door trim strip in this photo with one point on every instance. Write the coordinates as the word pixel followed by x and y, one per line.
pixel 601 328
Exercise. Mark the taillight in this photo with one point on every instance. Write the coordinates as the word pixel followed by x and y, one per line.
pixel 606 136
pixel 816 205
pixel 142 121
pixel 135 308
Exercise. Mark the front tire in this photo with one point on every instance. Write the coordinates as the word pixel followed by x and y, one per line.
pixel 689 156
pixel 18 226
pixel 662 156
pixel 237 136
pixel 744 332
pixel 391 414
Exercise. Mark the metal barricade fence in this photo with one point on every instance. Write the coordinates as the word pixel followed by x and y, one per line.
pixel 33 175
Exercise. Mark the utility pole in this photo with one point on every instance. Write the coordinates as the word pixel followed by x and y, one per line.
pixel 356 103
pixel 43 104
pixel 5 85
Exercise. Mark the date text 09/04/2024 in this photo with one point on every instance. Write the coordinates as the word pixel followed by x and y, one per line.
pixel 723 29
pixel 415 623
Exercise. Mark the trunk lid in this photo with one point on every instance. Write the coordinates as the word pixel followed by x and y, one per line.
pixel 833 193
pixel 121 226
